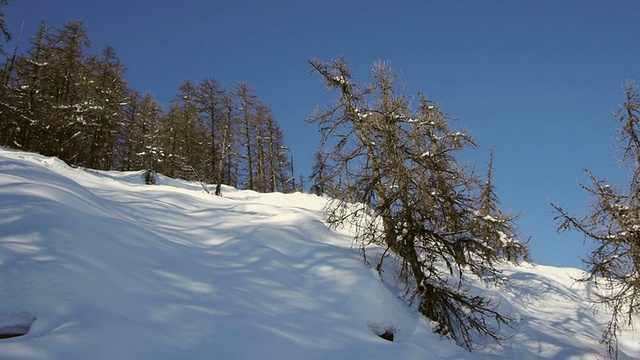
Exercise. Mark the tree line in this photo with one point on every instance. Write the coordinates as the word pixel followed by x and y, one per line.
pixel 59 99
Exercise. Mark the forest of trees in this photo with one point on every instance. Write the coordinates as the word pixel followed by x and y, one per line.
pixel 59 99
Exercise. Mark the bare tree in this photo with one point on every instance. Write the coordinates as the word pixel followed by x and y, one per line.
pixel 138 146
pixel 248 102
pixel 3 23
pixel 496 228
pixel 395 176
pixel 228 155
pixel 613 223
pixel 209 99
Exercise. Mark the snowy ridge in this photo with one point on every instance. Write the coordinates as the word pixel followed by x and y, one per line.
pixel 101 266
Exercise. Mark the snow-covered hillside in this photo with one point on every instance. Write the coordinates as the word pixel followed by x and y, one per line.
pixel 101 266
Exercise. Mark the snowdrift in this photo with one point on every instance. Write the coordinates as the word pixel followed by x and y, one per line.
pixel 97 265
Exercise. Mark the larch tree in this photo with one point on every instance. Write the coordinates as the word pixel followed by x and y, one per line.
pixel 23 109
pixel 185 135
pixel 247 103
pixel 495 228
pixel 397 181
pixel 3 22
pixel 262 114
pixel 70 78
pixel 279 163
pixel 229 158
pixel 613 224
pixel 209 100
pixel 138 142
pixel 107 98
pixel 59 100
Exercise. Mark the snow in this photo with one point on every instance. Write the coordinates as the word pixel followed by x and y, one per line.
pixel 97 265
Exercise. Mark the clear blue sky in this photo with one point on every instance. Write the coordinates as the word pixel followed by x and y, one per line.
pixel 537 80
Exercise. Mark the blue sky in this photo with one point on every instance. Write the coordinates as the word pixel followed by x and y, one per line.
pixel 537 80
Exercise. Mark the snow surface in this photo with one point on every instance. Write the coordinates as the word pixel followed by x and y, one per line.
pixel 101 266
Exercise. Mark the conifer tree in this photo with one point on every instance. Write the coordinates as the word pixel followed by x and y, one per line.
pixel 494 227
pixel 613 224
pixel 69 80
pixel 3 23
pixel 184 136
pixel 397 181
pixel 139 143
pixel 209 100
pixel 107 93
pixel 229 144
pixel 25 99
pixel 59 100
pixel 247 103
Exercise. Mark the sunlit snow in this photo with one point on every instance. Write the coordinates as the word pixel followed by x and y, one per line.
pixel 97 265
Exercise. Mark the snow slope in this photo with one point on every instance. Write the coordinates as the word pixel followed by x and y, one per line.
pixel 101 266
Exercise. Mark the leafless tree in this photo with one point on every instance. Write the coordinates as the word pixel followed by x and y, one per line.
pixel 613 224
pixel 395 177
